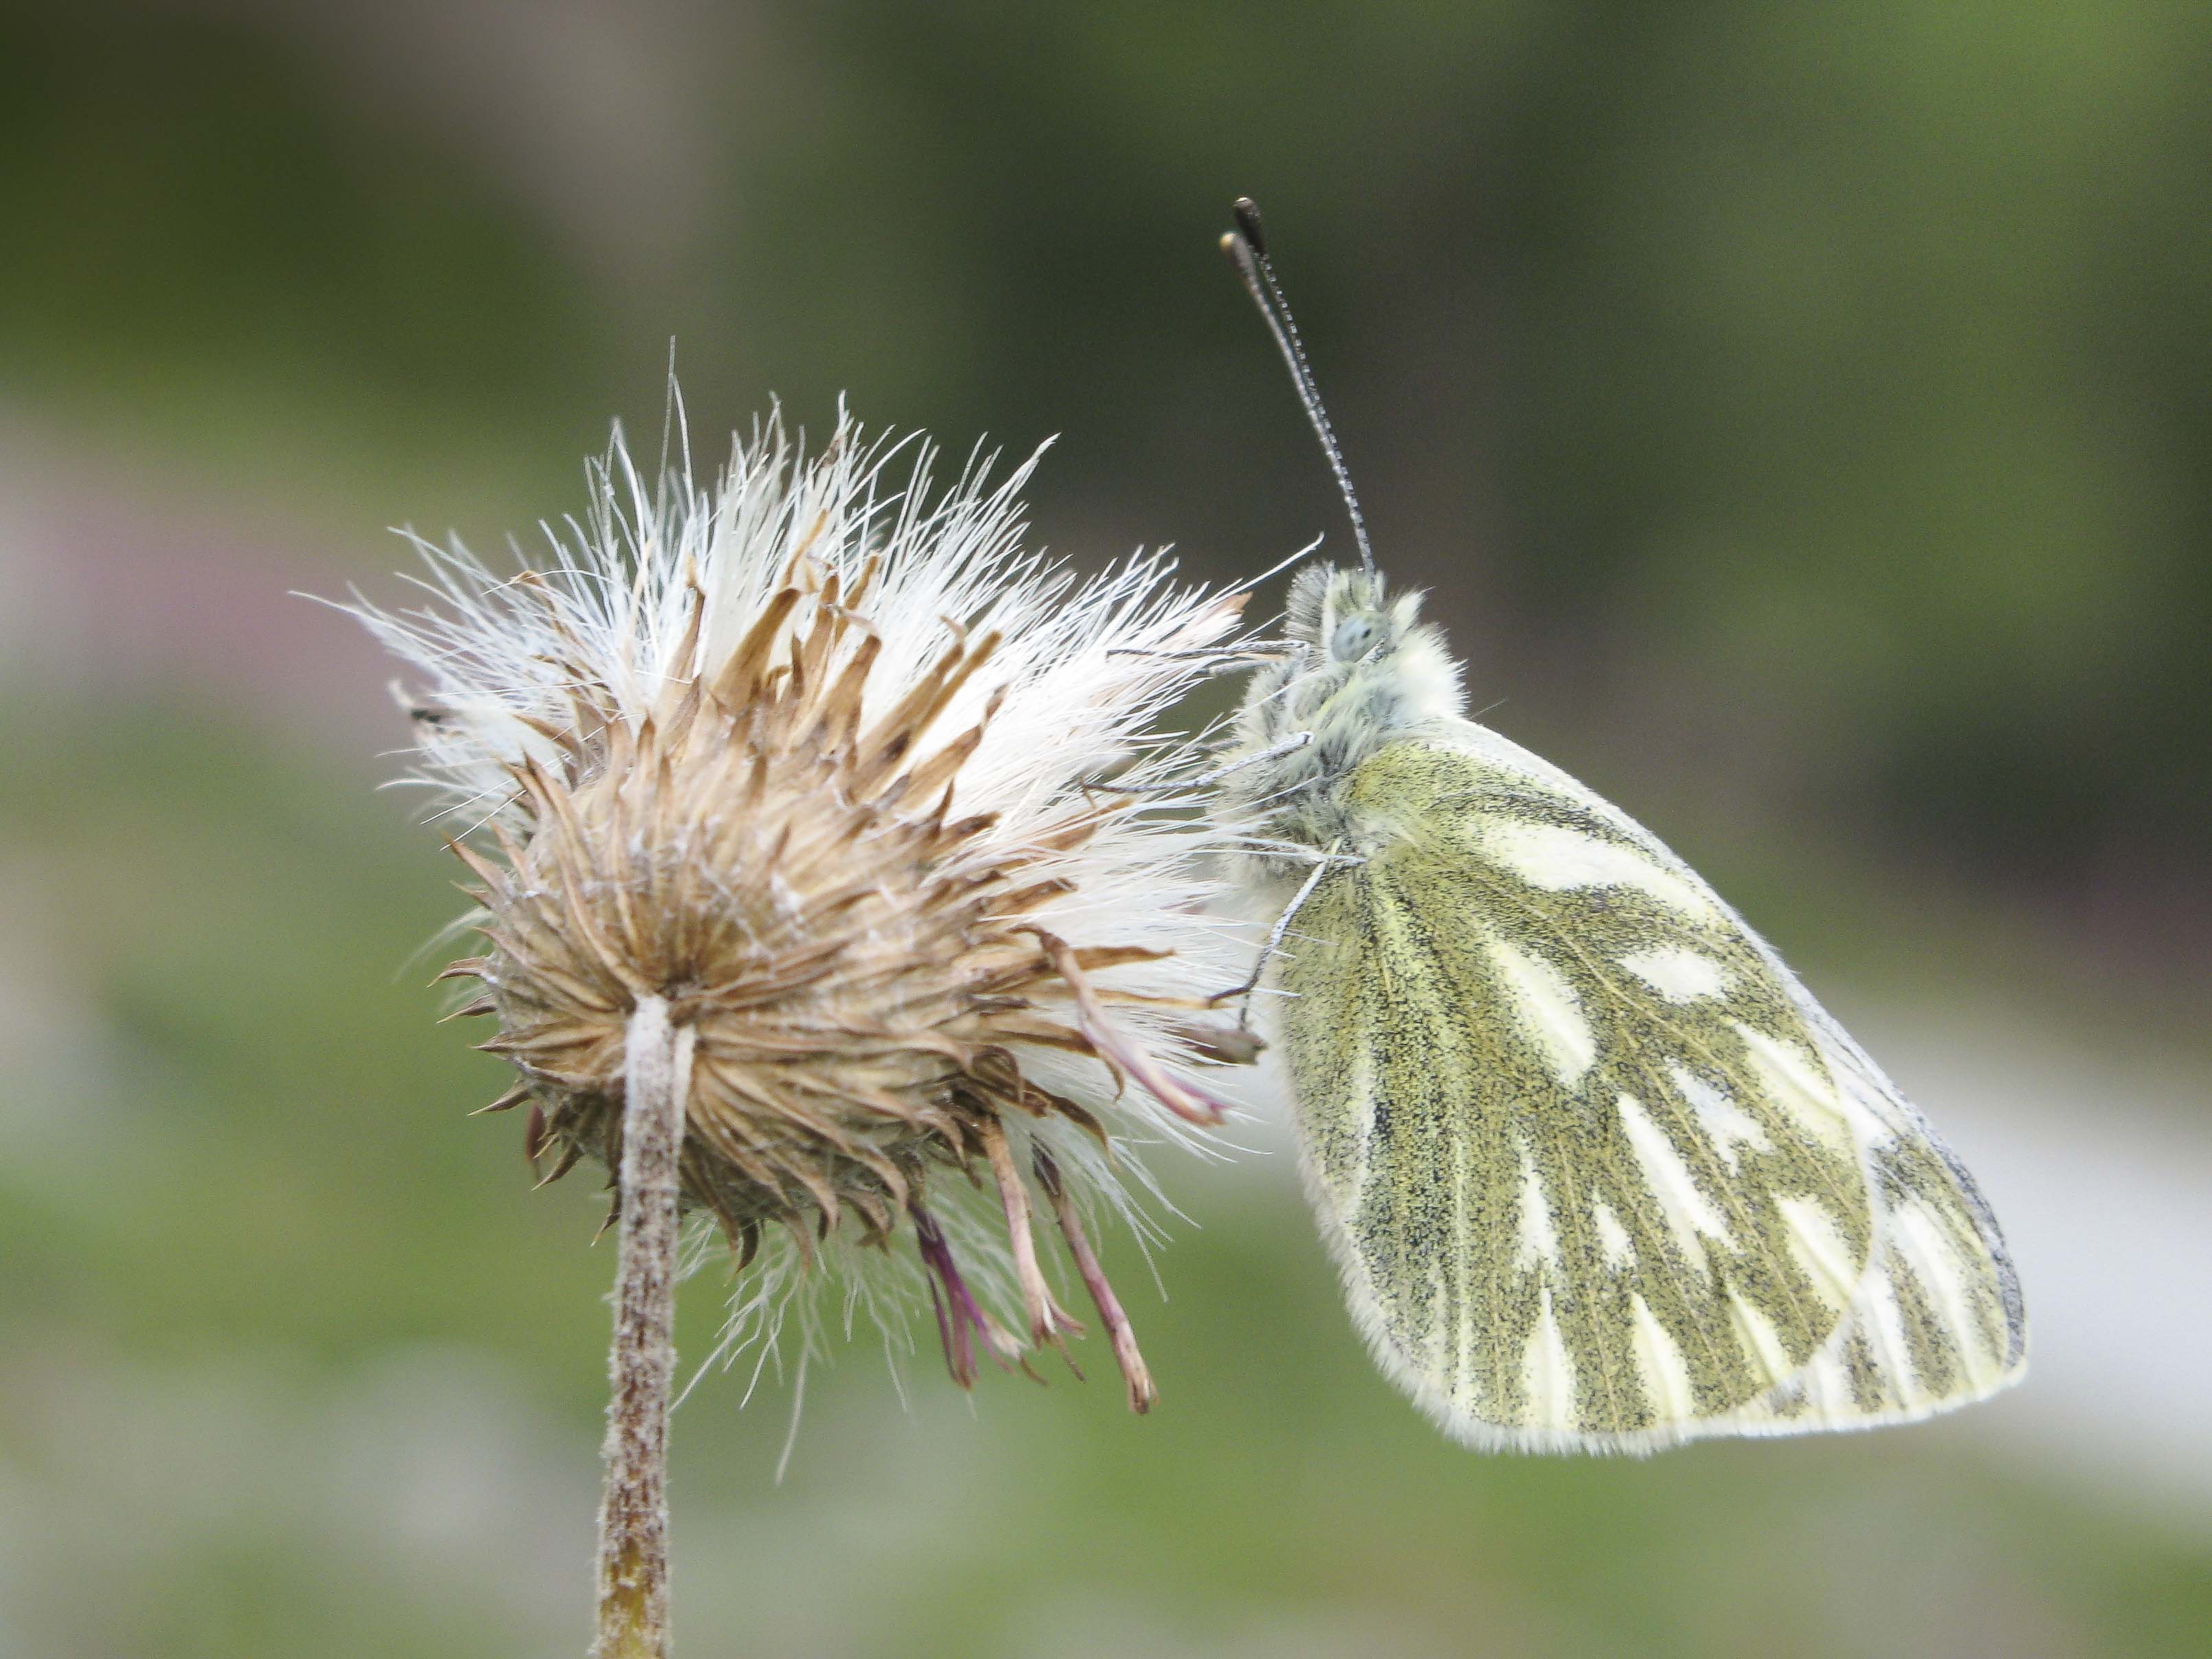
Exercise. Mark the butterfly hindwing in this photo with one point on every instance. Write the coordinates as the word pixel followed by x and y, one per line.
pixel 1938 1320
pixel 1598 1173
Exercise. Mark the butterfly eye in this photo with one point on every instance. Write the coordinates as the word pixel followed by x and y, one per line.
pixel 1353 635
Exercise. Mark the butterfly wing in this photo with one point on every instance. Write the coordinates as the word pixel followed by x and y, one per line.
pixel 1600 1173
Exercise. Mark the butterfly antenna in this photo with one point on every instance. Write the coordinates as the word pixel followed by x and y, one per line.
pixel 1247 248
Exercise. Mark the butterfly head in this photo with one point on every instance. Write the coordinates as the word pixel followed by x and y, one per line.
pixel 1338 617
pixel 1362 668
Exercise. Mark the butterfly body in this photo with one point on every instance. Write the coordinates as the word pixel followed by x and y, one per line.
pixel 1598 1172
pixel 1357 672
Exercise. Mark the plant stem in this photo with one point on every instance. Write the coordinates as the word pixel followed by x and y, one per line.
pixel 633 1576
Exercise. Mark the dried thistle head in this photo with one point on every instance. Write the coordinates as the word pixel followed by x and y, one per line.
pixel 812 756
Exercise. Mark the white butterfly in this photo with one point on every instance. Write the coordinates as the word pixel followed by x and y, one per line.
pixel 1600 1173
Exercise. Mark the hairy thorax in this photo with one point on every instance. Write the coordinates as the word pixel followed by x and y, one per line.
pixel 1308 800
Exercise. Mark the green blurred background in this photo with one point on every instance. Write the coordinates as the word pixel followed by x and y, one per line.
pixel 1803 416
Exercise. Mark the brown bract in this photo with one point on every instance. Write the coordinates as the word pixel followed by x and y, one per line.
pixel 861 963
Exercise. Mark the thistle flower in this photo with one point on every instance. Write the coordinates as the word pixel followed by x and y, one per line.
pixel 816 759
pixel 791 781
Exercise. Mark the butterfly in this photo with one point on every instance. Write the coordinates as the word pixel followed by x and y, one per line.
pixel 1598 1172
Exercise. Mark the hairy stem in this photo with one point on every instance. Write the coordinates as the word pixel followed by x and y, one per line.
pixel 633 1501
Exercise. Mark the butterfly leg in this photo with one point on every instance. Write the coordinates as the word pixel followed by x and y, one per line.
pixel 1289 745
pixel 1275 936
pixel 1226 658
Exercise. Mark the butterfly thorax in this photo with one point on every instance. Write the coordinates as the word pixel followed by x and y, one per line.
pixel 1358 672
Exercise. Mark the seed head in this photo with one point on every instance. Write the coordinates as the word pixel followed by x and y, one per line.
pixel 812 755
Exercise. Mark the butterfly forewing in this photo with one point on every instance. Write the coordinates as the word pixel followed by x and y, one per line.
pixel 1599 1171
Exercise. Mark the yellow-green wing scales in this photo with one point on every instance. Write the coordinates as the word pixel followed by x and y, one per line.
pixel 1599 1172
